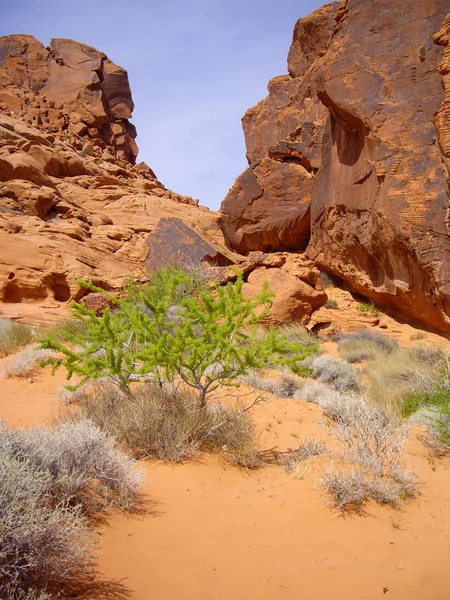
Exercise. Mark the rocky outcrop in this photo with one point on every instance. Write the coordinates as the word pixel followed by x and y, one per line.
pixel 75 206
pixel 69 88
pixel 73 203
pixel 349 155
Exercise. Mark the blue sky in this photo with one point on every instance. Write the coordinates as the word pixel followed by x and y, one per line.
pixel 195 67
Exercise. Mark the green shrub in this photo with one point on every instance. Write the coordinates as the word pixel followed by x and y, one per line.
pixel 13 336
pixel 368 308
pixel 175 327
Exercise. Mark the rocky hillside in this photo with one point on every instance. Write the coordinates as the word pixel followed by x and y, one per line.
pixel 349 155
pixel 73 203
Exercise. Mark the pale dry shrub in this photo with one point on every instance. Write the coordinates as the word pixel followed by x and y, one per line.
pixel 319 393
pixel 13 336
pixel 297 333
pixel 372 443
pixel 284 387
pixel 337 371
pixel 25 362
pixel 351 488
pixel 43 545
pixel 83 463
pixel 165 422
pixel 307 449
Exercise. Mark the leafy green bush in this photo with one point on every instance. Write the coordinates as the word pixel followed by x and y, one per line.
pixel 13 336
pixel 175 327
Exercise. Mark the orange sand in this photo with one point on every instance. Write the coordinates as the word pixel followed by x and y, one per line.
pixel 224 533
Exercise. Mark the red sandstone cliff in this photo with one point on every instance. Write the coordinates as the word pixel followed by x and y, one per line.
pixel 349 155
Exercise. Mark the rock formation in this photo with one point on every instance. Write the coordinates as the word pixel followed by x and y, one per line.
pixel 69 87
pixel 73 205
pixel 349 155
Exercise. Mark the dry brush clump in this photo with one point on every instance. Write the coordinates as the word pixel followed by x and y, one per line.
pixel 284 387
pixel 166 421
pixel 365 345
pixel 336 371
pixel 85 466
pixel 306 451
pixel 370 464
pixel 52 483
pixel 13 336
pixel 43 545
pixel 25 362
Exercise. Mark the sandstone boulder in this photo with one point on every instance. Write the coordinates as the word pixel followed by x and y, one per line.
pixel 295 300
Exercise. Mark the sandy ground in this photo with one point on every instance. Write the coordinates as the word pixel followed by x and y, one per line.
pixel 216 531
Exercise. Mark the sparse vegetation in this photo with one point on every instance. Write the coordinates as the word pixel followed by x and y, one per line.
pixel 370 466
pixel 337 371
pixel 365 345
pixel 392 377
pixel 13 336
pixel 284 387
pixel 51 481
pixel 309 448
pixel 331 303
pixel 166 422
pixel 25 362
pixel 326 280
pixel 429 403
pixel 368 308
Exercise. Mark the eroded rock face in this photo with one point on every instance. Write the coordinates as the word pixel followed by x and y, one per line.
pixel 68 87
pixel 364 117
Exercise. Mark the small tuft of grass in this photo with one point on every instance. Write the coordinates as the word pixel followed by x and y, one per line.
pixel 331 303
pixel 297 333
pixel 368 308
